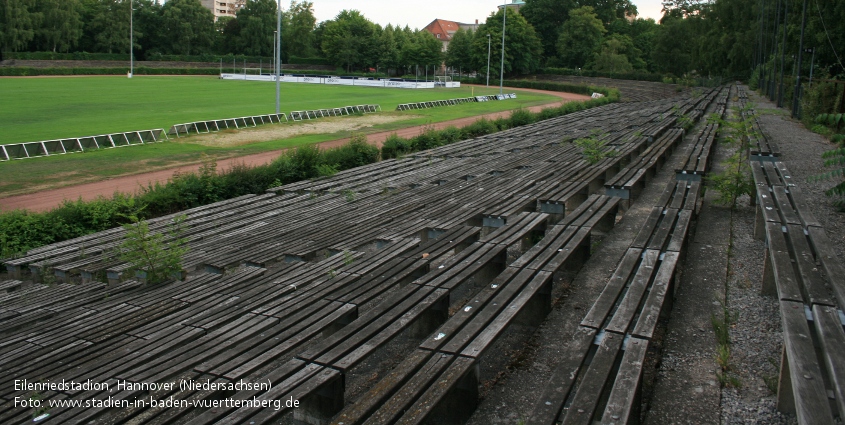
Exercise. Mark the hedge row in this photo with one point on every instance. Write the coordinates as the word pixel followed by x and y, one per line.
pixel 21 231
pixel 395 146
pixel 28 71
pixel 158 57
pixel 76 56
pixel 140 70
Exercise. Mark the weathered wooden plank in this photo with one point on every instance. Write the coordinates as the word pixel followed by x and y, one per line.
pixel 630 304
pixel 648 228
pixel 450 399
pixel 805 380
pixel 556 391
pixel 654 304
pixel 598 313
pixel 780 264
pixel 832 338
pixel 592 386
pixel 381 395
pixel 623 405
pixel 831 263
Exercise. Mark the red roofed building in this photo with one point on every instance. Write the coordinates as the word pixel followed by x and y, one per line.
pixel 443 29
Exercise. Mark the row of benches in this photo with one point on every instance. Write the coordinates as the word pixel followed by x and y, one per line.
pixel 599 376
pixel 803 272
pixel 762 148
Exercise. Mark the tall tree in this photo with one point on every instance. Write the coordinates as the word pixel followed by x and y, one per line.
pixel 388 50
pixel 61 25
pixel 459 52
pixel 298 30
pixel 147 22
pixel 347 40
pixel 189 25
pixel 429 49
pixel 257 21
pixel 523 49
pixel 110 26
pixel 673 53
pixel 18 22
pixel 548 16
pixel 580 37
pixel 616 54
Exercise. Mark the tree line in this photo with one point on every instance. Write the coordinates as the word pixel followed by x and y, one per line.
pixel 705 37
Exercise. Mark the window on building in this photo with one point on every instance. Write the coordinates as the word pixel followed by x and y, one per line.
pixel 438 35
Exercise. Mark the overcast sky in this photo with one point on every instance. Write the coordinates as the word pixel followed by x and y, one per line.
pixel 418 14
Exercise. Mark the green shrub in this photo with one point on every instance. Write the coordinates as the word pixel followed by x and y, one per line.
pixel 522 117
pixel 479 128
pixel 429 138
pixel 836 160
pixel 395 146
pixel 451 134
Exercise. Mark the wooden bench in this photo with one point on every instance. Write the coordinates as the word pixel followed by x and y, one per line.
pixel 697 163
pixel 439 382
pixel 605 358
pixel 630 180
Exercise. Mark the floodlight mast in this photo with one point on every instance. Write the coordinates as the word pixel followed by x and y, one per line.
pixel 278 51
pixel 488 59
pixel 502 70
pixel 131 39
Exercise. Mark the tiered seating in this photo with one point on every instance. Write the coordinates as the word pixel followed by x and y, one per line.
pixel 599 377
pixel 307 286
pixel 630 90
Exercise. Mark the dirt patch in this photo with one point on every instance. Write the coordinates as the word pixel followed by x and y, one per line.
pixel 230 138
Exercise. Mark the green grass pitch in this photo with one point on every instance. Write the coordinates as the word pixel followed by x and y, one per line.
pixel 50 108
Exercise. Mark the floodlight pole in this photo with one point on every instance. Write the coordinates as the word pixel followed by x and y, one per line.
pixel 131 39
pixel 488 59
pixel 278 50
pixel 502 70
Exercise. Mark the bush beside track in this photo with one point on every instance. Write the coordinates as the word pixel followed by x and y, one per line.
pixel 21 231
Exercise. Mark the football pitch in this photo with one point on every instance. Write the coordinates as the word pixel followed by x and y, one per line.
pixel 37 109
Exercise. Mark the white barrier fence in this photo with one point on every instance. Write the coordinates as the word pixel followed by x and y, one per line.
pixel 362 82
pixel 449 102
pixel 209 126
pixel 79 144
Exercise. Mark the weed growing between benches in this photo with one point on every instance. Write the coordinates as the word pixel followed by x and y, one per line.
pixel 736 180
pixel 150 254
pixel 593 148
